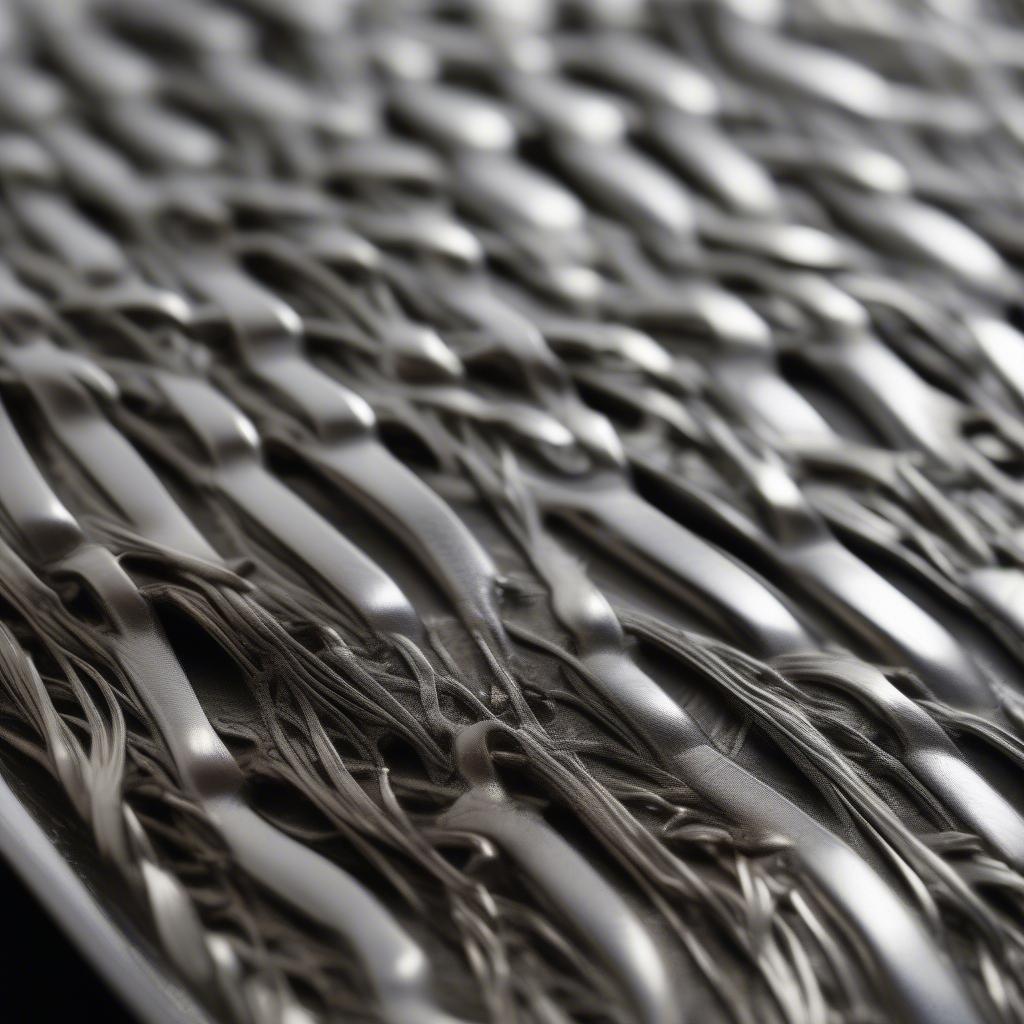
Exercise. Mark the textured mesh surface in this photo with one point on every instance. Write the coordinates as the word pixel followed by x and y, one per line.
pixel 514 511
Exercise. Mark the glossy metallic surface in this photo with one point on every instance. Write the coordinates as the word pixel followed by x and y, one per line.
pixel 515 511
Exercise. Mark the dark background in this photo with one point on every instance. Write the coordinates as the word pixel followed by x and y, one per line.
pixel 41 971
